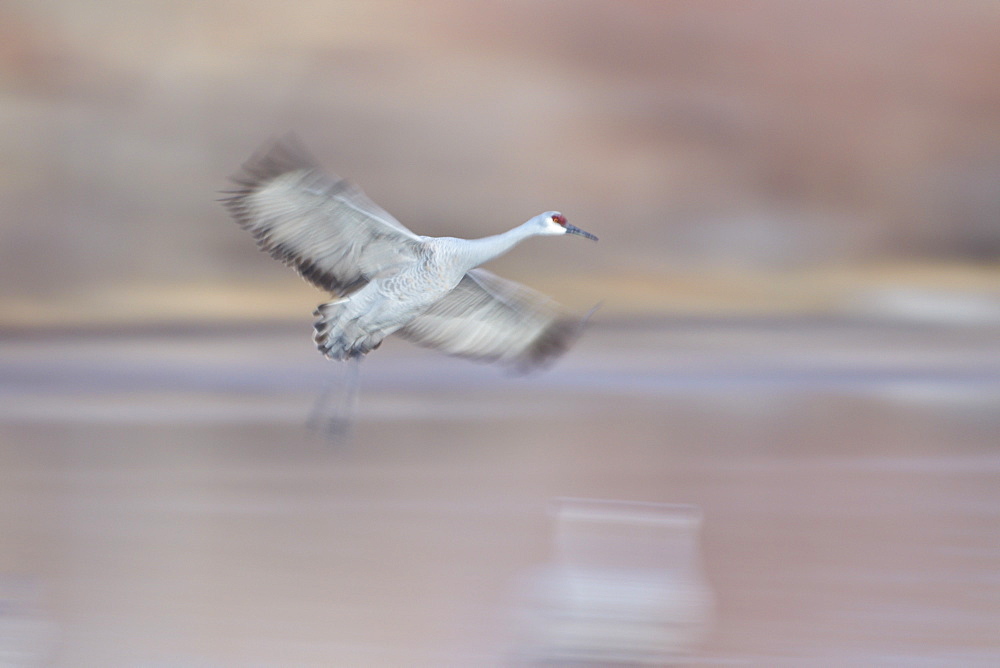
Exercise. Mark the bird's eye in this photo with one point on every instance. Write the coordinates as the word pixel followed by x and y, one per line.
pixel 559 218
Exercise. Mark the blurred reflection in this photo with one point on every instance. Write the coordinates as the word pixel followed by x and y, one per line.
pixel 27 638
pixel 625 586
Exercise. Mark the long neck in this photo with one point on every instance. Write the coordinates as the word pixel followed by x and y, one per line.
pixel 480 251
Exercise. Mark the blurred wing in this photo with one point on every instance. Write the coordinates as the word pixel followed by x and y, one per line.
pixel 324 227
pixel 491 319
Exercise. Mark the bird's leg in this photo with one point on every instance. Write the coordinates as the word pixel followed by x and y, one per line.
pixel 333 412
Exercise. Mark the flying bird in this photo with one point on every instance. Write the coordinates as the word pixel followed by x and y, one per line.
pixel 387 279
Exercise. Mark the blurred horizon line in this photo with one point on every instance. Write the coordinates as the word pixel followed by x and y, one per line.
pixel 957 292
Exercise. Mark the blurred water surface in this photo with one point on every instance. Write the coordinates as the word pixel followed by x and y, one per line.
pixel 163 503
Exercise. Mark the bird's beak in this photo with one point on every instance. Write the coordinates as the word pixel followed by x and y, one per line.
pixel 573 229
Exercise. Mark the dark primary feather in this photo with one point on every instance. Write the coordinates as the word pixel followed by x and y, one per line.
pixel 491 319
pixel 323 226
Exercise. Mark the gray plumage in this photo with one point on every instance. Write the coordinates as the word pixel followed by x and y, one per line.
pixel 388 279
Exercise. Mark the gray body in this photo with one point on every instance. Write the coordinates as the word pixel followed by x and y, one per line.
pixel 389 279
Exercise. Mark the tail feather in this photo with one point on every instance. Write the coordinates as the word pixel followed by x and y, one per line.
pixel 340 338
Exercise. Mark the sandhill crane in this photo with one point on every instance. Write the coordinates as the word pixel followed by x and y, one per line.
pixel 388 279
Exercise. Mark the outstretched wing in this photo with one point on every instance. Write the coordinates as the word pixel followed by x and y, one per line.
pixel 323 226
pixel 491 319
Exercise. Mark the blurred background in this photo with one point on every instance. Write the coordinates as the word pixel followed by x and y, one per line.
pixel 799 337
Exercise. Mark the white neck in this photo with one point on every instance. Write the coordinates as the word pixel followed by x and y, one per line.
pixel 481 251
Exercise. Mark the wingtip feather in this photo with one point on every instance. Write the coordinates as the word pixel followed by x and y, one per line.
pixel 550 345
pixel 276 157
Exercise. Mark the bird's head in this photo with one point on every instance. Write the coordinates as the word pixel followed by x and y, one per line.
pixel 553 222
